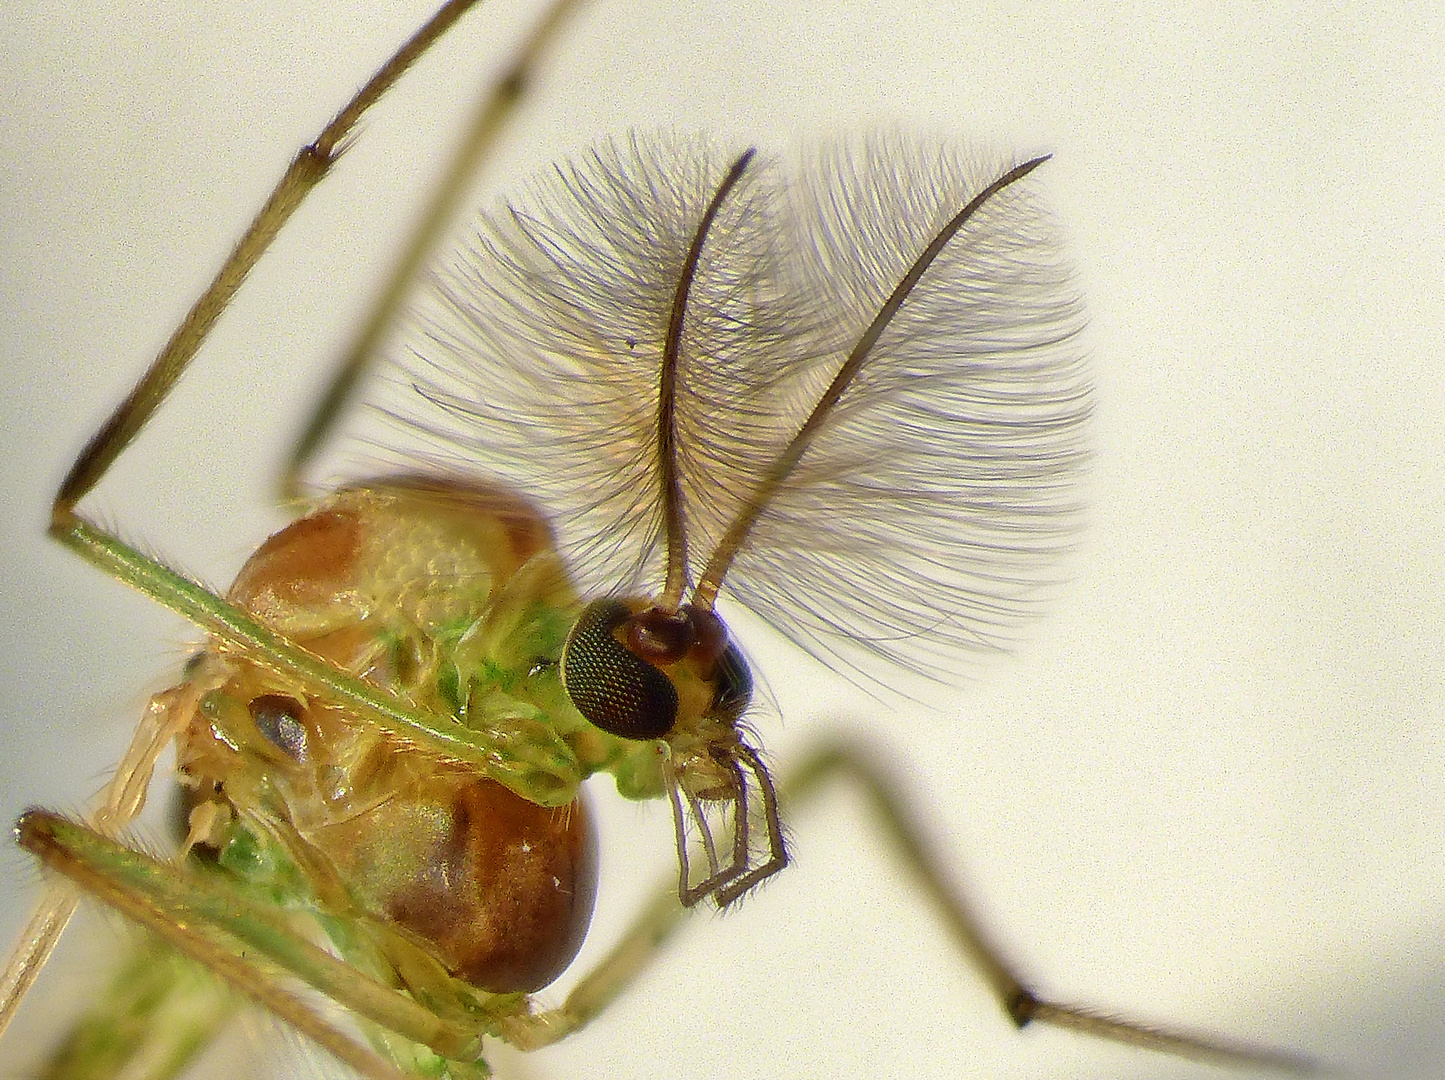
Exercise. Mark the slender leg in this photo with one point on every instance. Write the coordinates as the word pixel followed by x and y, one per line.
pixel 126 793
pixel 247 943
pixel 530 772
pixel 157 1014
pixel 542 771
pixel 307 170
pixel 120 802
pixel 656 924
pixel 493 113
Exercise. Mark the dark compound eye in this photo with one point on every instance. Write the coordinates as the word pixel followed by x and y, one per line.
pixel 618 691
pixel 734 685
pixel 278 718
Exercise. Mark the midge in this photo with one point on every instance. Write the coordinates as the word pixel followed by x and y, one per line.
pixel 847 394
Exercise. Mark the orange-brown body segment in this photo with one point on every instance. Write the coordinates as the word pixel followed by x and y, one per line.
pixel 423 587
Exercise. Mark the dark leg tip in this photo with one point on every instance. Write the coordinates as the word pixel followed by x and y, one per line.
pixel 1021 1006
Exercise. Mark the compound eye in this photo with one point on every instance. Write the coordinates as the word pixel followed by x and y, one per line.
pixel 734 685
pixel 618 691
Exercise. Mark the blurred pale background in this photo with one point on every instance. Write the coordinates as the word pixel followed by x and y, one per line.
pixel 1209 790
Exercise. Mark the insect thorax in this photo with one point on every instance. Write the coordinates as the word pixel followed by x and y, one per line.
pixel 451 597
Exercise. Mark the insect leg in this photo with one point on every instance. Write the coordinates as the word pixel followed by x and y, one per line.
pixel 646 936
pixel 212 613
pixel 306 170
pixel 159 1012
pixel 856 765
pixel 656 924
pixel 221 929
pixel 493 113
pixel 534 773
pixel 120 801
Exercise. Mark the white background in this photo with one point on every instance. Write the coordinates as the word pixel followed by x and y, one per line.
pixel 1210 788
